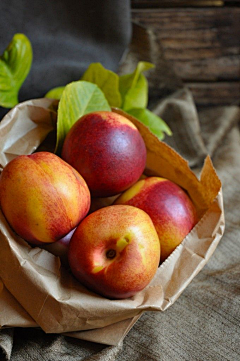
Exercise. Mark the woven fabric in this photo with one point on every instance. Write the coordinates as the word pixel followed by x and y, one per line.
pixel 66 36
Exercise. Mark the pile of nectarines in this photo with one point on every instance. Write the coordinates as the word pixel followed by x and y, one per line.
pixel 115 250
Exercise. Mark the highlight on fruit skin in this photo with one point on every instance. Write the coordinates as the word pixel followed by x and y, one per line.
pixel 42 197
pixel 107 150
pixel 115 251
pixel 170 208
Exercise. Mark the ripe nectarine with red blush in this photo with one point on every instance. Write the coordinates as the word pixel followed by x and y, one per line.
pixel 42 197
pixel 115 251
pixel 170 208
pixel 107 150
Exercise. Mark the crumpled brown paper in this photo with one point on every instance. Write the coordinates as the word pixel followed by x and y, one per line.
pixel 37 291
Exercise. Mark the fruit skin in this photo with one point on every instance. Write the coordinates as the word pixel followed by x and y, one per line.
pixel 60 247
pixel 42 197
pixel 130 233
pixel 171 210
pixel 107 150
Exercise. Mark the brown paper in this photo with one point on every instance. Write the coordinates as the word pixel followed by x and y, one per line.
pixel 9 306
pixel 14 315
pixel 47 292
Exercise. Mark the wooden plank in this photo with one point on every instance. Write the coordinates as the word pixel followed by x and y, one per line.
pixel 174 3
pixel 201 44
pixel 213 94
pixel 138 4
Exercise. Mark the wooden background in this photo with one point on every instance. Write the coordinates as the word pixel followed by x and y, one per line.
pixel 201 39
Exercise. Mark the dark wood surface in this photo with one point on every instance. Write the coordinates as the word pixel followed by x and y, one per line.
pixel 182 3
pixel 201 42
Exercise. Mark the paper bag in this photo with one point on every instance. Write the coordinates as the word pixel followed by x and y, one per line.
pixel 45 292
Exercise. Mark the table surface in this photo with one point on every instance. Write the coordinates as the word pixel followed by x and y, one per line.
pixel 201 39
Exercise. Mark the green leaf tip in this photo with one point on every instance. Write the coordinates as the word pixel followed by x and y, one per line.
pixel 55 93
pixel 106 80
pixel 152 121
pixel 15 64
pixel 134 87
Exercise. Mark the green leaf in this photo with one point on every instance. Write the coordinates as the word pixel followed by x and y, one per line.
pixel 55 93
pixel 137 97
pixel 134 87
pixel 106 80
pixel 78 98
pixel 15 64
pixel 155 124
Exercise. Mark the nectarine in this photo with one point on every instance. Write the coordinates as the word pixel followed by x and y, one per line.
pixel 170 208
pixel 42 197
pixel 115 251
pixel 107 150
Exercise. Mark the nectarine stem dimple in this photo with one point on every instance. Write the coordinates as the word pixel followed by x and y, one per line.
pixel 111 253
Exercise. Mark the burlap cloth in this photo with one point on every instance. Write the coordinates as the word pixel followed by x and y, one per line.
pixel 203 324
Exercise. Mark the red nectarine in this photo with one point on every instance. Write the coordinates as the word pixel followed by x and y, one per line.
pixel 107 150
pixel 170 208
pixel 115 251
